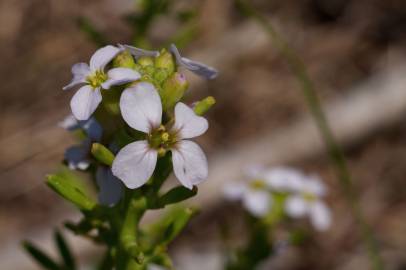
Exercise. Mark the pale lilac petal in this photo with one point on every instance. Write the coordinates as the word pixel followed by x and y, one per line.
pixel 196 67
pixel 102 57
pixel 187 123
pixel 110 187
pixel 257 202
pixel 284 179
pixel 141 107
pixel 137 52
pixel 135 164
pixel 85 102
pixel 80 71
pixel 118 76
pixel 189 163
pixel 254 171
pixel 296 206
pixel 92 128
pixel 234 190
pixel 320 216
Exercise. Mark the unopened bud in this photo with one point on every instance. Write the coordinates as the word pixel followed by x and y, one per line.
pixel 102 154
pixel 166 61
pixel 201 107
pixel 173 90
pixel 124 59
pixel 145 61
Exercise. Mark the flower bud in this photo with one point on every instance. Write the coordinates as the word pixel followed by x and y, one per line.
pixel 124 59
pixel 173 90
pixel 102 154
pixel 201 107
pixel 145 61
pixel 165 60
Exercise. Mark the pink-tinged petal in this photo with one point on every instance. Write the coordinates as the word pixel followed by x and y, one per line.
pixel 320 216
pixel 257 202
pixel 85 102
pixel 110 187
pixel 135 164
pixel 141 107
pixel 102 57
pixel 187 123
pixel 189 163
pixel 118 76
pixel 296 206
pixel 80 71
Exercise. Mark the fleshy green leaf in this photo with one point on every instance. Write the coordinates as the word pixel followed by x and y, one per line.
pixel 176 195
pixel 64 251
pixel 40 257
pixel 72 192
pixel 178 223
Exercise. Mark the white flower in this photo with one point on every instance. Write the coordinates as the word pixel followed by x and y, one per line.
pixel 141 109
pixel 93 78
pixel 110 187
pixel 283 179
pixel 77 156
pixel 308 202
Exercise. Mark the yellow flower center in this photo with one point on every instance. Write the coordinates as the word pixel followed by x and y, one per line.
pixel 257 184
pixel 161 139
pixel 97 78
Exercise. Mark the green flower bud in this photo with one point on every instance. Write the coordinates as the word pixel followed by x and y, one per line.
pixel 204 105
pixel 145 61
pixel 124 59
pixel 102 154
pixel 173 90
pixel 160 75
pixel 166 61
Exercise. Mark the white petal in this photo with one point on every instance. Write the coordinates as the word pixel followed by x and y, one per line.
pixel 110 187
pixel 285 179
pixel 187 123
pixel 189 163
pixel 320 216
pixel 102 57
pixel 80 71
pixel 141 107
pixel 85 102
pixel 135 163
pixel 257 202
pixel 117 76
pixel 254 171
pixel 296 206
pixel 234 190
pixel 196 67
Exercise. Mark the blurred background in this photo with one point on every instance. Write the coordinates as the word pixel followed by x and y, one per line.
pixel 355 52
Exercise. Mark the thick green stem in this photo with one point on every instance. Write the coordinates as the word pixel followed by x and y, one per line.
pixel 335 152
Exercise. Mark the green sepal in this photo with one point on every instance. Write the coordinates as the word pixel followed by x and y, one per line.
pixel 176 195
pixel 204 105
pixel 40 257
pixel 102 154
pixel 64 251
pixel 124 59
pixel 69 189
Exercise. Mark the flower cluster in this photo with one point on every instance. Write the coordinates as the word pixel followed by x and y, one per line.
pixel 146 87
pixel 299 194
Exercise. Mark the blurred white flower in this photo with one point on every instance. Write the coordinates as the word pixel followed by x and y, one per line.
pixel 256 201
pixel 155 267
pixel 308 202
pixel 77 156
pixel 141 109
pixel 283 179
pixel 93 78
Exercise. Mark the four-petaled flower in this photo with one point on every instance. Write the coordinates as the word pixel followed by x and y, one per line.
pixel 94 78
pixel 141 108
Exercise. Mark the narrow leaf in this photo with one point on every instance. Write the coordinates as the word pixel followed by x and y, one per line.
pixel 64 251
pixel 40 257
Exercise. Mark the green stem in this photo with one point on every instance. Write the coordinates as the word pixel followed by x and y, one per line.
pixel 335 152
